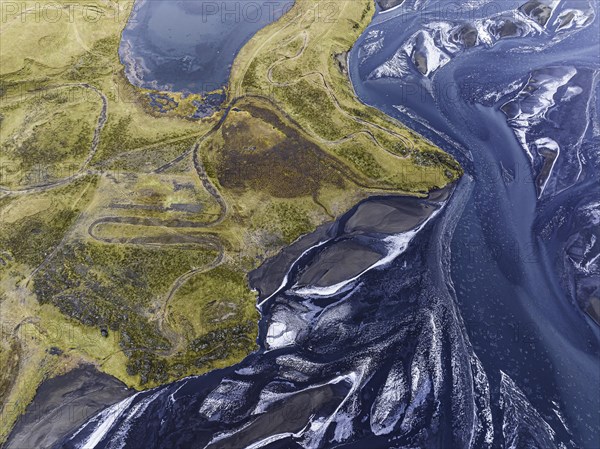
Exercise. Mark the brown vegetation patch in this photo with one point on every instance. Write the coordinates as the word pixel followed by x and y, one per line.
pixel 259 151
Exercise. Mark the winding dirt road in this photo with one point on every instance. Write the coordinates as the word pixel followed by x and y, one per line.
pixel 93 146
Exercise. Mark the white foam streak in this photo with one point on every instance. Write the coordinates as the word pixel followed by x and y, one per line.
pixel 279 336
pixel 396 245
pixel 395 67
pixel 105 421
pixel 550 144
pixel 119 439
pixel 533 102
pixel 269 440
pixel 285 278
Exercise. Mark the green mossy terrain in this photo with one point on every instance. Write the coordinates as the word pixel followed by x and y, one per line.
pixel 126 234
pixel 116 287
pixel 31 229
pixel 46 135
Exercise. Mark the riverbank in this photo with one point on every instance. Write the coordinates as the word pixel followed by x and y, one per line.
pixel 64 403
pixel 377 217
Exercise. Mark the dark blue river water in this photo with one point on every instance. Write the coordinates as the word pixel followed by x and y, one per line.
pixel 479 330
pixel 507 262
pixel 189 46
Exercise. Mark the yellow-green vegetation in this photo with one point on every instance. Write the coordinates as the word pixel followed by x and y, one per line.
pixel 38 342
pixel 32 227
pixel 117 287
pixel 295 64
pixel 135 235
pixel 47 134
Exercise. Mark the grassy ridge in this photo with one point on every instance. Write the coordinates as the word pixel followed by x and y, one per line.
pixel 296 64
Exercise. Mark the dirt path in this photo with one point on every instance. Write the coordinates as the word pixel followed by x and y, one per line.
pixel 93 147
pixel 336 103
pixel 176 339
